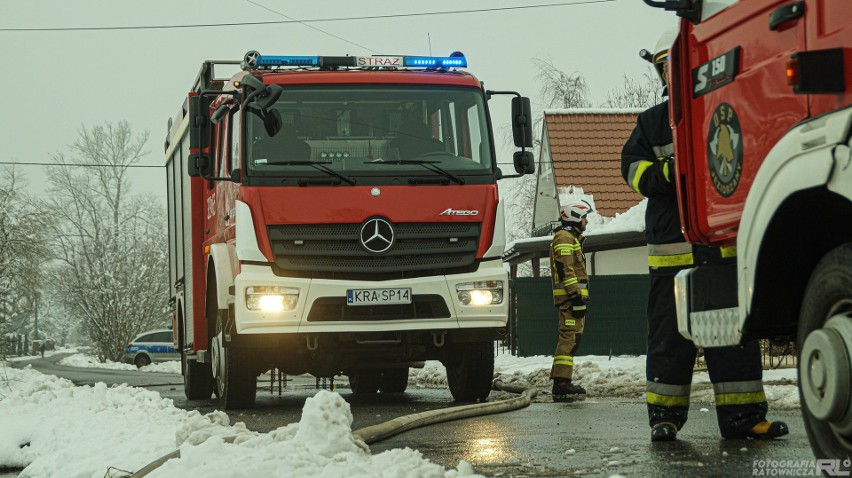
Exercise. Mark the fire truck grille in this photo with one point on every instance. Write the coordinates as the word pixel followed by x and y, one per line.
pixel 335 251
pixel 425 306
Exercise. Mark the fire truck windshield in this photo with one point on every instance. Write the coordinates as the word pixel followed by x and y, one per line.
pixel 365 130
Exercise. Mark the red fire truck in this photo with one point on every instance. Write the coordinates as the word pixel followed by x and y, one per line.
pixel 337 215
pixel 760 105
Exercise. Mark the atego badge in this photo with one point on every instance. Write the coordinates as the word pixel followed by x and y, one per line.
pixel 725 150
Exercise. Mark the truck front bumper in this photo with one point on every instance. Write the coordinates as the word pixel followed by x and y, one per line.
pixel 295 320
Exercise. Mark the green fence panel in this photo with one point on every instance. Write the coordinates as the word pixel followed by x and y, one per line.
pixel 616 323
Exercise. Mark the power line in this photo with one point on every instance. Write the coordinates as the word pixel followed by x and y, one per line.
pixel 312 27
pixel 21 163
pixel 312 20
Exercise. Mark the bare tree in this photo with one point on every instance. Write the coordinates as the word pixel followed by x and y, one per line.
pixel 559 89
pixel 110 245
pixel 636 93
pixel 23 250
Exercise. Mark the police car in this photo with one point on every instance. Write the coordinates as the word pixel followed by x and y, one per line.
pixel 151 346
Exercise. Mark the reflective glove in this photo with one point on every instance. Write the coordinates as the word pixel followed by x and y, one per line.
pixel 668 167
pixel 578 307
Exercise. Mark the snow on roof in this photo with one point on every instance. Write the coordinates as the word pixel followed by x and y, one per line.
pixel 594 111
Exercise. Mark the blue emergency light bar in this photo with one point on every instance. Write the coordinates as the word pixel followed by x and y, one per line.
pixel 266 60
pixel 435 61
pixel 254 59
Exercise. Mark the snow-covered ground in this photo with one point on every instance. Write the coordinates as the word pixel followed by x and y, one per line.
pixel 50 427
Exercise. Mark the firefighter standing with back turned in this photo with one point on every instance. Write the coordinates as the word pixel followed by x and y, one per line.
pixel 570 293
pixel 736 372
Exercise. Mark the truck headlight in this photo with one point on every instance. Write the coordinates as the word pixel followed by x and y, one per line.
pixel 271 298
pixel 480 293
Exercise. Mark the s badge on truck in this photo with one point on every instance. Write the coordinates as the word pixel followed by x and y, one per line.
pixel 725 150
pixel 715 73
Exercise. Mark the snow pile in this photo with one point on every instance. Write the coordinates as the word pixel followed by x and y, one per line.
pixel 631 220
pixel 85 360
pixel 321 444
pixel 52 428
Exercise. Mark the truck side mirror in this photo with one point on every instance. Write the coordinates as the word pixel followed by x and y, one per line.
pixel 524 162
pixel 265 96
pixel 220 113
pixel 198 161
pixel 522 122
pixel 688 9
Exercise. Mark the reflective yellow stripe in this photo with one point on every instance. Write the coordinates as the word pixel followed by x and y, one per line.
pixel 669 249
pixel 570 281
pixel 563 360
pixel 559 292
pixel 666 172
pixel 729 251
pixel 640 169
pixel 584 293
pixel 579 307
pixel 670 261
pixel 667 400
pixel 740 398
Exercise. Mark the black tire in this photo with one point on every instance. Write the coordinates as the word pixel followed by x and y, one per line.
pixel 828 294
pixel 470 371
pixel 394 380
pixel 236 382
pixel 142 360
pixel 197 379
pixel 365 382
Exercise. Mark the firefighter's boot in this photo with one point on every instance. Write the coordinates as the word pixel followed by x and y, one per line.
pixel 664 431
pixel 768 430
pixel 564 388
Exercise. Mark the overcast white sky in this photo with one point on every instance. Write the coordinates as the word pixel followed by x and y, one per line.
pixel 56 81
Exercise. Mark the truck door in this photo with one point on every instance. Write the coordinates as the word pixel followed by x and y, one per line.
pixel 731 104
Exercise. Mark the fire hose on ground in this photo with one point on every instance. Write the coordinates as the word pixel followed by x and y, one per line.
pixel 378 432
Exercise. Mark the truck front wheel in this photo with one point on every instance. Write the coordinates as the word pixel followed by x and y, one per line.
pixel 470 371
pixel 236 383
pixel 825 345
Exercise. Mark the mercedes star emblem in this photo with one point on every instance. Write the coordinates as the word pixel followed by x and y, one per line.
pixel 377 235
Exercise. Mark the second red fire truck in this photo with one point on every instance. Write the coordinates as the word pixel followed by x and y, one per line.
pixel 761 107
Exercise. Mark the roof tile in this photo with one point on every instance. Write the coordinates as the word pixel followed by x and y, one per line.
pixel 586 152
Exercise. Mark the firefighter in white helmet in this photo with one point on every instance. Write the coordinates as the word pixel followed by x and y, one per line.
pixel 570 293
pixel 647 165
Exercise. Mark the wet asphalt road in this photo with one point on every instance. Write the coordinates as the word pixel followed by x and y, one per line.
pixel 598 437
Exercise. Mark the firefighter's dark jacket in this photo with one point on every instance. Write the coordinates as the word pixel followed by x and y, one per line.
pixel 568 266
pixel 644 167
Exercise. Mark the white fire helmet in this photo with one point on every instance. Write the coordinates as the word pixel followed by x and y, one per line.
pixel 575 210
pixel 661 52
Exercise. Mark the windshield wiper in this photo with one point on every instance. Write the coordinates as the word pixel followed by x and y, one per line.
pixel 430 165
pixel 319 165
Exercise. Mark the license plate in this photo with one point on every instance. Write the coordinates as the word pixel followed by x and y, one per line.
pixel 378 296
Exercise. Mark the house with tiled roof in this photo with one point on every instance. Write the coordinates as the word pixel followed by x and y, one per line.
pixel 581 150
pixel 580 157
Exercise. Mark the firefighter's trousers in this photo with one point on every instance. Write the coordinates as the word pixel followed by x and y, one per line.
pixel 570 332
pixel 736 372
